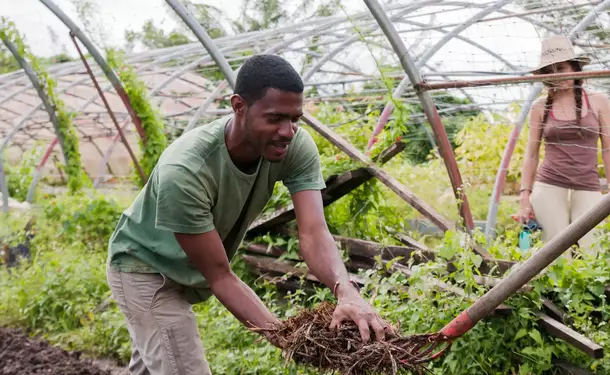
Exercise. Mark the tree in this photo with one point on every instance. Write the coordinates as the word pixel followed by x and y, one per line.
pixel 267 14
pixel 152 36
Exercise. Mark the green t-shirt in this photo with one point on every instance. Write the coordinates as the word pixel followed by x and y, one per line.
pixel 195 188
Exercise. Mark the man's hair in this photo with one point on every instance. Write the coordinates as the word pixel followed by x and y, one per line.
pixel 261 72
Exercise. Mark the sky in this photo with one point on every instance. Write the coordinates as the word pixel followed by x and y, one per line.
pixel 34 20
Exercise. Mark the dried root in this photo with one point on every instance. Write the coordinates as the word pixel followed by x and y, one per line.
pixel 306 339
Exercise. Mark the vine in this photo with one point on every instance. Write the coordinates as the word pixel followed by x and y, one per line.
pixel 77 178
pixel 152 121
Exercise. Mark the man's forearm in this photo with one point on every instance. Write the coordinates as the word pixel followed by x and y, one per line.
pixel 242 302
pixel 324 261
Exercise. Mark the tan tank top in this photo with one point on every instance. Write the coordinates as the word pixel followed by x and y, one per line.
pixel 570 159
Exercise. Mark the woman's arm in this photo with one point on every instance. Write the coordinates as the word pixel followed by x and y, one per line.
pixel 530 162
pixel 602 106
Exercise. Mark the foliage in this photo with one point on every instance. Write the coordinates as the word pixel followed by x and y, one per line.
pixel 481 147
pixel 152 36
pixel 65 129
pixel 19 177
pixel 152 120
pixel 58 293
pixel 87 219
pixel 7 61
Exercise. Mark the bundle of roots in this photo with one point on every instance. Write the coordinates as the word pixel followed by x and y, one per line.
pixel 307 339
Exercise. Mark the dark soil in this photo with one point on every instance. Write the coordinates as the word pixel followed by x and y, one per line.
pixel 22 355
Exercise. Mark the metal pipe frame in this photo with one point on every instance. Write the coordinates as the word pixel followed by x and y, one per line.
pixel 496 194
pixel 141 172
pixel 47 104
pixel 99 59
pixel 428 106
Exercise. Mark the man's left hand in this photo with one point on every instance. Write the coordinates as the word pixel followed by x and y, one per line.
pixel 353 307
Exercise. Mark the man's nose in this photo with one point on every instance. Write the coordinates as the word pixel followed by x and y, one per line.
pixel 287 130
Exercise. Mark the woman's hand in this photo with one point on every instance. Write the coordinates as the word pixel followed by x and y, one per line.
pixel 525 208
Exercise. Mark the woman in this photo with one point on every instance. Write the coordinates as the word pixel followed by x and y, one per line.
pixel 569 120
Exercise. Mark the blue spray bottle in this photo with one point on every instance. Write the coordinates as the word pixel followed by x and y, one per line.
pixel 526 231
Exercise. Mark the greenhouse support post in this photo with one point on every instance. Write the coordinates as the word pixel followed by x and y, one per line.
pixel 429 109
pixel 38 171
pixel 101 62
pixel 110 112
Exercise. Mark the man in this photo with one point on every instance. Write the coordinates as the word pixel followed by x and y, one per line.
pixel 171 247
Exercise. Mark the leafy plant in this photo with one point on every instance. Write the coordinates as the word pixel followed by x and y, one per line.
pixel 65 129
pixel 152 121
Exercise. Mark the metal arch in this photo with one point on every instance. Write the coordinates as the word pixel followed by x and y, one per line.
pixel 273 49
pixel 160 86
pixel 105 157
pixel 43 96
pixel 494 201
pixel 469 41
pixel 387 111
pixel 325 23
pixel 428 106
pixel 74 29
pixel 331 54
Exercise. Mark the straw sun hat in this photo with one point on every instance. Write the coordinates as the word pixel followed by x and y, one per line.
pixel 558 49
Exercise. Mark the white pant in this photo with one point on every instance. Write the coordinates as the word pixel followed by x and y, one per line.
pixel 556 207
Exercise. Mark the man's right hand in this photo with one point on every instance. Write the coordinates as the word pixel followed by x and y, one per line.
pixel 525 208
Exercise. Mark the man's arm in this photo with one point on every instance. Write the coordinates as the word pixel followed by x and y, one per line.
pixel 322 257
pixel 207 253
pixel 185 209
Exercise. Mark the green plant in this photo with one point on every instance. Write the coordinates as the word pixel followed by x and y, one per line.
pixel 19 177
pixel 87 219
pixel 152 121
pixel 66 133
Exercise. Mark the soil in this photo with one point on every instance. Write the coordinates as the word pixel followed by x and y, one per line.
pixel 22 355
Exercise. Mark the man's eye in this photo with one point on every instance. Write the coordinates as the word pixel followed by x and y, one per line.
pixel 274 120
pixel 296 119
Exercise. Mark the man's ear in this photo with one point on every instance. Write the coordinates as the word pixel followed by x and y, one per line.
pixel 238 104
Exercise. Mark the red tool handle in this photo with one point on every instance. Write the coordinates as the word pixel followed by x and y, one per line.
pixel 522 274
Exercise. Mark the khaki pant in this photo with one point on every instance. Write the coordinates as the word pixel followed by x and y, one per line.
pixel 556 207
pixel 161 323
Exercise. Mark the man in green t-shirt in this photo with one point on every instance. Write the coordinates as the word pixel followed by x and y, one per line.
pixel 171 248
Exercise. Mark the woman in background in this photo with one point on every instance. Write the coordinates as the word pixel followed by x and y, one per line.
pixel 569 120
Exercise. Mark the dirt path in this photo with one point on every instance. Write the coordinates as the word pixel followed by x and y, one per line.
pixel 21 355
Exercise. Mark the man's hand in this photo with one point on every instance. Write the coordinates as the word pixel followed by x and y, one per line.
pixel 352 306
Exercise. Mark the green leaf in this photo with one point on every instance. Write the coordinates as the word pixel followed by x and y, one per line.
pixel 447 252
pixel 536 336
pixel 522 332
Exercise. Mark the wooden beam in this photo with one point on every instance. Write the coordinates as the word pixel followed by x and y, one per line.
pixel 411 242
pixel 392 183
pixel 570 336
pixel 336 187
pixel 287 267
pixel 565 368
pixel 370 248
